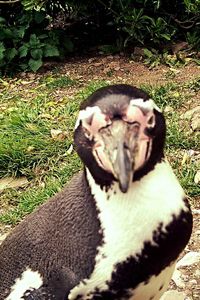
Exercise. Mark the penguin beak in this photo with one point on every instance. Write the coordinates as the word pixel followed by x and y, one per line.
pixel 117 149
pixel 124 156
pixel 122 167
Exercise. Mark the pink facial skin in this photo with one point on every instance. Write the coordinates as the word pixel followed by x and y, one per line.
pixel 138 111
pixel 146 119
pixel 95 122
pixel 99 121
pixel 102 158
pixel 135 114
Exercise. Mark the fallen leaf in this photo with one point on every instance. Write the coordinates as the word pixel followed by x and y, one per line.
pixel 69 151
pixel 195 123
pixel 30 149
pixel 46 116
pixel 32 127
pixel 191 152
pixel 58 135
pixel 24 82
pixel 175 70
pixel 4 83
pixel 98 64
pixel 197 177
pixel 185 158
pixel 190 113
pixel 168 109
pixel 50 104
pixel 11 182
pixel 2 237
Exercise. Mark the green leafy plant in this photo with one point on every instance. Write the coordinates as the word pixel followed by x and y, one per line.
pixel 34 31
pixel 26 43
pixel 154 58
pixel 193 38
pixel 192 5
pixel 33 4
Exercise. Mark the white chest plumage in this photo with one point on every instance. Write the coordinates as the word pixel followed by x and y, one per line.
pixel 128 220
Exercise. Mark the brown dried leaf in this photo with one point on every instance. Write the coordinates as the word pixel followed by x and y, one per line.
pixel 58 135
pixel 69 151
pixel 197 177
pixel 11 182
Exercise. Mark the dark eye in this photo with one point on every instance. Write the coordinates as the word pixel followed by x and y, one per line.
pixel 149 131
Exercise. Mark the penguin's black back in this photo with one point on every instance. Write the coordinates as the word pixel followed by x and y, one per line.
pixel 59 241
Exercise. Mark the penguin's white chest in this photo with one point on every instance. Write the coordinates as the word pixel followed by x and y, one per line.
pixel 156 286
pixel 129 223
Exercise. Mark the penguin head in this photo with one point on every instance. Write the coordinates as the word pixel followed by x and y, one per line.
pixel 119 135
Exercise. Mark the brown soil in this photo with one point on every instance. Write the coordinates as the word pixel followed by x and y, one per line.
pixel 121 69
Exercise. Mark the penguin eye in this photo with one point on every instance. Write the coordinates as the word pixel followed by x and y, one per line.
pixel 150 131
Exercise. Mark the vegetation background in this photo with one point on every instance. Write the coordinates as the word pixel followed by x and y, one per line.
pixel 33 31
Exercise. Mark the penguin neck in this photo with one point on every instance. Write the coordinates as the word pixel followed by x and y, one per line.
pixel 159 190
pixel 149 206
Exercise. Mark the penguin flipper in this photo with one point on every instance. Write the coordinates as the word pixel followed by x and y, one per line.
pixel 59 284
pixel 56 286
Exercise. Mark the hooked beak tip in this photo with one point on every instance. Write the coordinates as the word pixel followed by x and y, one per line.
pixel 123 167
pixel 123 187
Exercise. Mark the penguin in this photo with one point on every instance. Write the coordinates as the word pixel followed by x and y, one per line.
pixel 116 230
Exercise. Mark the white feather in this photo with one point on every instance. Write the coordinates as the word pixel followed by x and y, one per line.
pixel 147 104
pixel 156 286
pixel 28 280
pixel 129 219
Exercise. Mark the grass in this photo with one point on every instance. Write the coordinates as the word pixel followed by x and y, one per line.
pixel 52 82
pixel 29 110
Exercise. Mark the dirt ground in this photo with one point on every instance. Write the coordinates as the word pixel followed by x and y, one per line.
pixel 124 70
pixel 119 69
